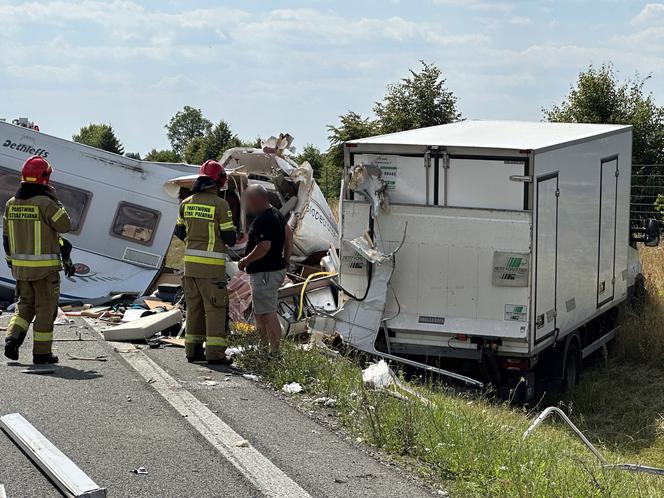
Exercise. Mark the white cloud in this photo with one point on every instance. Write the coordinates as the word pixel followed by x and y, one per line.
pixel 521 21
pixel 478 4
pixel 651 13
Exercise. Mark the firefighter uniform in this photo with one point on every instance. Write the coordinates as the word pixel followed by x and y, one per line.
pixel 31 224
pixel 205 216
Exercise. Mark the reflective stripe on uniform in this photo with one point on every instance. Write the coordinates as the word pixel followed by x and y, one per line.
pixel 194 339
pixel 205 254
pixel 216 341
pixel 212 237
pixel 31 263
pixel 42 336
pixel 17 321
pixel 204 261
pixel 12 237
pixel 227 226
pixel 38 236
pixel 58 214
pixel 180 221
pixel 35 257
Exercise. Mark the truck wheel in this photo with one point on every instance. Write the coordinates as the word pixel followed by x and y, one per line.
pixel 572 368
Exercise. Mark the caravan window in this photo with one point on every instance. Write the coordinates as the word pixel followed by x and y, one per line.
pixel 75 201
pixel 135 223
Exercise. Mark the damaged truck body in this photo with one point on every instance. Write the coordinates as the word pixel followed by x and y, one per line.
pixel 497 248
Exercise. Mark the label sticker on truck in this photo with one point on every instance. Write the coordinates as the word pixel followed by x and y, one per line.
pixel 516 313
pixel 510 269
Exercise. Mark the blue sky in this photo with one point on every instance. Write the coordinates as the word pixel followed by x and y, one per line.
pixel 294 66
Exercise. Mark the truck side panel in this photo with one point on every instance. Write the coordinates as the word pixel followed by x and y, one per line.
pixel 592 231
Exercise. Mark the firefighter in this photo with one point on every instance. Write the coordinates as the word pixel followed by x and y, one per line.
pixel 206 226
pixel 32 221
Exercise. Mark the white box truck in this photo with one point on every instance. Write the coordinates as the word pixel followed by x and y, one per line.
pixel 513 243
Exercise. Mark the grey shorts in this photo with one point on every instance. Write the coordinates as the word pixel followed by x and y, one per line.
pixel 264 289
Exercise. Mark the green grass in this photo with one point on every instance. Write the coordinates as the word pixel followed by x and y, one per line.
pixel 471 447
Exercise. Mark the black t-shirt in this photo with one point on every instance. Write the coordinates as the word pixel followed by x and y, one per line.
pixel 269 225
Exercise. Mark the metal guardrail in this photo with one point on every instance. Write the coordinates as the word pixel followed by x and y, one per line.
pixel 632 467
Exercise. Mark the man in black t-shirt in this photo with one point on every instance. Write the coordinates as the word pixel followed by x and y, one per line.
pixel 268 252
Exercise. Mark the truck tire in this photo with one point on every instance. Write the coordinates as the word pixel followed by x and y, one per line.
pixel 572 370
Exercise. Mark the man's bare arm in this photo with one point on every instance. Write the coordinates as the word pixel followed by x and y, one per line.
pixel 288 243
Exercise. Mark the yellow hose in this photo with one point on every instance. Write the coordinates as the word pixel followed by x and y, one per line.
pixel 304 288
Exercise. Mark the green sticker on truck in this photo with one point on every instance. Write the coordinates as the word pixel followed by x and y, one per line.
pixel 516 313
pixel 510 269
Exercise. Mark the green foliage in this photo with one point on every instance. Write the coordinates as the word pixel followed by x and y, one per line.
pixel 100 136
pixel 186 125
pixel 599 97
pixel 418 101
pixel 133 155
pixel 352 126
pixel 468 445
pixel 314 157
pixel 212 145
pixel 163 156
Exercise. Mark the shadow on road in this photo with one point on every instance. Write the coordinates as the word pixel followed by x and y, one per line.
pixel 59 371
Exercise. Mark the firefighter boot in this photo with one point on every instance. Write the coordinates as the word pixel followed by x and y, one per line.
pixel 44 359
pixel 195 352
pixel 11 348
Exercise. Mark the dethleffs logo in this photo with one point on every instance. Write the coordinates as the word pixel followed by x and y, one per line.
pixel 22 147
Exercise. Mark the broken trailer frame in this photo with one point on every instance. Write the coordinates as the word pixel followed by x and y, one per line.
pixel 517 250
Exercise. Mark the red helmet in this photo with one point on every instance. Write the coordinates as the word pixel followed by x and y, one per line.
pixel 214 170
pixel 36 170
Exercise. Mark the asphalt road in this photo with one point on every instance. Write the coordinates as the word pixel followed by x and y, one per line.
pixel 109 420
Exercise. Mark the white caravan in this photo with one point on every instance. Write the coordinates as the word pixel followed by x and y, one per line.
pixel 503 245
pixel 124 210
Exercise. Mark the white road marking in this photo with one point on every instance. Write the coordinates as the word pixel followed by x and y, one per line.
pixel 257 469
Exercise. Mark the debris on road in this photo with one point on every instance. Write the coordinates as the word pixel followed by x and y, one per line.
pixel 139 471
pixel 38 371
pixel 327 402
pixel 243 443
pixel 64 473
pixel 253 377
pixel 143 328
pixel 292 388
pixel 102 357
pixel 172 341
pixel 3 493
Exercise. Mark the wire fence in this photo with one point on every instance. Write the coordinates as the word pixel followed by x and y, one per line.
pixel 647 185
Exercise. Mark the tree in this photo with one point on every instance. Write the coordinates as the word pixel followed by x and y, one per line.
pixel 163 156
pixel 212 145
pixel 417 101
pixel 314 156
pixel 352 126
pixel 133 155
pixel 599 97
pixel 100 136
pixel 186 125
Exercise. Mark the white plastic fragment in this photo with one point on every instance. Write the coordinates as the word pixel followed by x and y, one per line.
pixel 242 443
pixel 378 376
pixel 253 377
pixel 292 388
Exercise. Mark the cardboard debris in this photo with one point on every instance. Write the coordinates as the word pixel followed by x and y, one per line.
pixel 158 303
pixel 143 328
pixel 172 341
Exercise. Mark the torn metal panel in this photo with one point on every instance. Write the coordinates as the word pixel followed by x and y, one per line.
pixel 368 181
pixel 359 322
pixel 64 473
